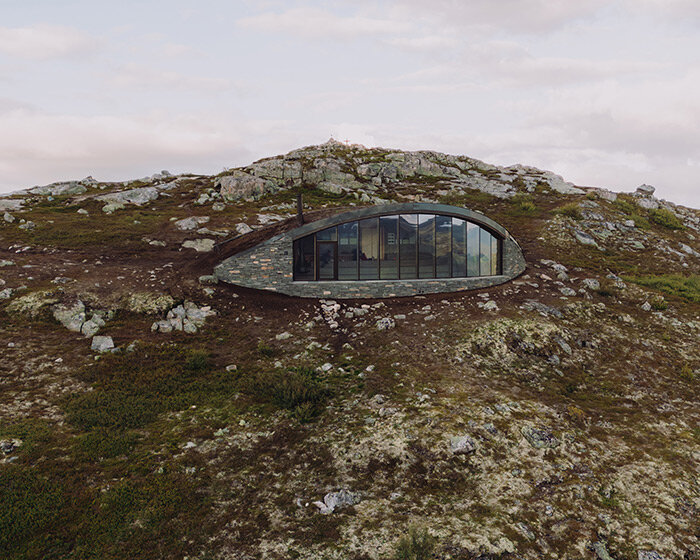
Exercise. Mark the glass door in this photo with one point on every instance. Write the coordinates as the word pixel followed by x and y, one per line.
pixel 327 259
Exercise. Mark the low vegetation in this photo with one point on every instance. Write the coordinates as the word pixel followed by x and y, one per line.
pixel 570 210
pixel 301 391
pixel 665 218
pixel 419 544
pixel 483 424
pixel 686 287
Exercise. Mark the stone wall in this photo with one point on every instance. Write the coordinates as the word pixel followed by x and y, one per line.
pixel 269 265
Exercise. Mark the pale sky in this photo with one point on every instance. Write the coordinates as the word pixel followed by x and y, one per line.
pixel 605 93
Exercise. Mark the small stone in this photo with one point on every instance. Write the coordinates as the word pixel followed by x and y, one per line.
pixel 326 367
pixel 585 239
pixel 601 551
pixel 189 445
pixel 591 284
pixel 231 367
pixel 540 438
pixel 102 343
pixel 70 316
pixel 111 207
pixel 4 263
pixel 199 245
pixel 89 328
pixel 462 445
pixel 6 293
pixel 566 291
pixel 385 324
pixel 648 555
pixel 490 306
pixel 27 225
pixel 646 190
pixel 646 306
pixel 83 211
pixel 9 218
pixel 208 279
pixel 337 500
pixel 218 207
pixel 242 228
pixel 283 336
pixel 8 446
pixel 191 223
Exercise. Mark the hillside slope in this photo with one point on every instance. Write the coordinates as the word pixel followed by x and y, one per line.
pixel 555 416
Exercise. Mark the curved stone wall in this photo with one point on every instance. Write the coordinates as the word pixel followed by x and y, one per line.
pixel 269 265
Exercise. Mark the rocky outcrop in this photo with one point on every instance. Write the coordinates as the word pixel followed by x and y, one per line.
pixel 187 317
pixel 336 168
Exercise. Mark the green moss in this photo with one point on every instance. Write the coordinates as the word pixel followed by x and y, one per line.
pixel 523 205
pixel 685 287
pixel 571 210
pixel 300 391
pixel 104 443
pixel 625 206
pixel 419 544
pixel 159 515
pixel 29 506
pixel 132 389
pixel 665 218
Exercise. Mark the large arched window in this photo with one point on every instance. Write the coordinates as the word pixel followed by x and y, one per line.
pixel 398 247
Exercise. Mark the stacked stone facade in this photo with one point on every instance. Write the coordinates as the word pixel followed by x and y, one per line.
pixel 269 265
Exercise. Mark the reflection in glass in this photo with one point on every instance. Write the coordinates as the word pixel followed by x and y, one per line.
pixel 426 246
pixel 459 247
pixel 472 249
pixel 304 258
pixel 407 243
pixel 347 251
pixel 494 256
pixel 485 256
pixel 402 246
pixel 388 248
pixel 326 234
pixel 369 249
pixel 326 260
pixel 443 246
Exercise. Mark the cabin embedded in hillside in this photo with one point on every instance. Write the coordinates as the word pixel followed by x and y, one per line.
pixel 381 251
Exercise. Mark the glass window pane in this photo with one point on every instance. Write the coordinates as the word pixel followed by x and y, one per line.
pixel 443 246
pixel 389 247
pixel 304 258
pixel 494 256
pixel 347 251
pixel 459 247
pixel 326 234
pixel 472 249
pixel 485 256
pixel 407 243
pixel 369 249
pixel 326 260
pixel 426 246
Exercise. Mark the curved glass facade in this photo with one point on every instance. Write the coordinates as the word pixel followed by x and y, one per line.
pixel 398 247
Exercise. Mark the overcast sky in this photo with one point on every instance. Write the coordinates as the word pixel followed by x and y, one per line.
pixel 605 93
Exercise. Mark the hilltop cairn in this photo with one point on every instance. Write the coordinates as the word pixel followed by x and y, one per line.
pixel 371 173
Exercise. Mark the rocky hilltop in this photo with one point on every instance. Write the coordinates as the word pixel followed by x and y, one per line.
pixel 148 412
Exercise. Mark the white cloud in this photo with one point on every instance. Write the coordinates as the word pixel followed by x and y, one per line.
pixel 136 75
pixel 44 41
pixel 312 23
pixel 37 148
pixel 518 16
